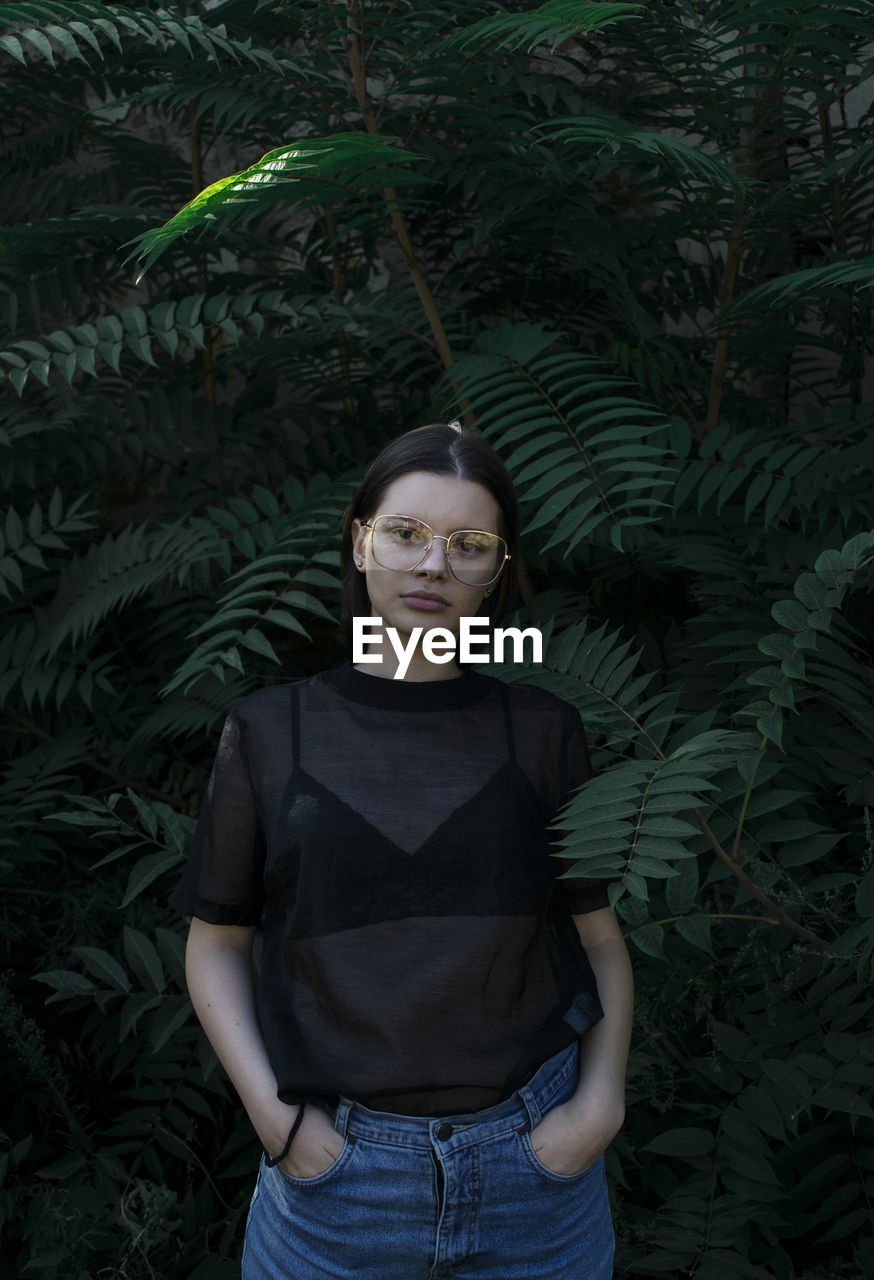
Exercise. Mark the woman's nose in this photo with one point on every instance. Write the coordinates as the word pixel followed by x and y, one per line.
pixel 435 560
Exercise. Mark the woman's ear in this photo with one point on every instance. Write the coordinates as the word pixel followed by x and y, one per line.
pixel 358 540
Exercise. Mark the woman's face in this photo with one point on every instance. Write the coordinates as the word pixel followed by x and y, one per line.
pixel 446 503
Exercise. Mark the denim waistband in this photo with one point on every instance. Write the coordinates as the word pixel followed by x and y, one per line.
pixel 523 1110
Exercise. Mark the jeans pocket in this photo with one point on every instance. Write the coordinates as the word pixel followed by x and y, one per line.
pixel 544 1170
pixel 342 1159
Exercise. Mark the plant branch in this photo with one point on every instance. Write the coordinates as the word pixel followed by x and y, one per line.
pixel 358 71
pixel 771 907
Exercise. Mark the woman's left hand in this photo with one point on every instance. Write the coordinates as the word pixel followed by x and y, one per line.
pixel 571 1136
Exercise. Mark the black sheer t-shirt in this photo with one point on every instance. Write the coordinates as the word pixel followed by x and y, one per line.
pixel 390 836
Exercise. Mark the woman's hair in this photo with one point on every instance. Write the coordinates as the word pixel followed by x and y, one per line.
pixel 444 449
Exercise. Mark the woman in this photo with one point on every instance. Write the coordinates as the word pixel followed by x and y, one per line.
pixel 433 1054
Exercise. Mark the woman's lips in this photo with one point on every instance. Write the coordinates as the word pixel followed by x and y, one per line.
pixel 423 603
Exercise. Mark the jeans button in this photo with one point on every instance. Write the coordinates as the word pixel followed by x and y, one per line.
pixel 444 1130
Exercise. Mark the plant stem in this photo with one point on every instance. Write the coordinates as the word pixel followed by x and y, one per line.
pixel 358 70
pixel 753 889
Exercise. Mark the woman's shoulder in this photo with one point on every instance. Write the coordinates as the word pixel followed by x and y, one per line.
pixel 537 701
pixel 268 701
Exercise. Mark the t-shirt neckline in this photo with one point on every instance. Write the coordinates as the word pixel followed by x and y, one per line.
pixel 407 695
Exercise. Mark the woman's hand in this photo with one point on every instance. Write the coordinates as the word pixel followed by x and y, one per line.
pixel 218 966
pixel 570 1137
pixel 315 1146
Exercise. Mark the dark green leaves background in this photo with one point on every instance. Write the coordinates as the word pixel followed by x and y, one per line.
pixel 243 246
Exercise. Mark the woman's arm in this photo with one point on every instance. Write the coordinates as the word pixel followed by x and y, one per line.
pixel 573 1134
pixel 604 1047
pixel 218 970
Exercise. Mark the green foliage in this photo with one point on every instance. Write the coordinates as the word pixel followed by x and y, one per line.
pixel 246 245
pixel 555 21
pixel 311 172
pixel 76 30
pixel 597 441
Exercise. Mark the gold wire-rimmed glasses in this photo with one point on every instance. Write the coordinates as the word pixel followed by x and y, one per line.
pixel 470 553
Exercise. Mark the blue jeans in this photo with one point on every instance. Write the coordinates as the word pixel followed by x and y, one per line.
pixel 427 1198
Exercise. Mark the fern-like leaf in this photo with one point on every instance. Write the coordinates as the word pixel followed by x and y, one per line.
pixel 347 167
pixel 586 455
pixel 816 595
pixel 552 23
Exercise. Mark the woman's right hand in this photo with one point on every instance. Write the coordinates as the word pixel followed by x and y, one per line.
pixel 218 968
pixel 315 1146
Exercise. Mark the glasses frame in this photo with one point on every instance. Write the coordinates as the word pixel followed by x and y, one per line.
pixel 395 515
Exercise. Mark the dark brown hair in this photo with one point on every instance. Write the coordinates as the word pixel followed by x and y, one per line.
pixel 443 449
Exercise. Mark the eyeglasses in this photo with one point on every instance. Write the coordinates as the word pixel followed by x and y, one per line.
pixel 475 557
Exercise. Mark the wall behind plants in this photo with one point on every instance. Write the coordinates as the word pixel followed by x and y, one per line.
pixel 243 247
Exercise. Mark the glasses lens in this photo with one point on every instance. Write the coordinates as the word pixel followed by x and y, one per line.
pixel 400 542
pixel 475 556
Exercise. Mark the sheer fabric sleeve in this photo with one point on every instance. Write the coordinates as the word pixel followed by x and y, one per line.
pixel 222 882
pixel 580 894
